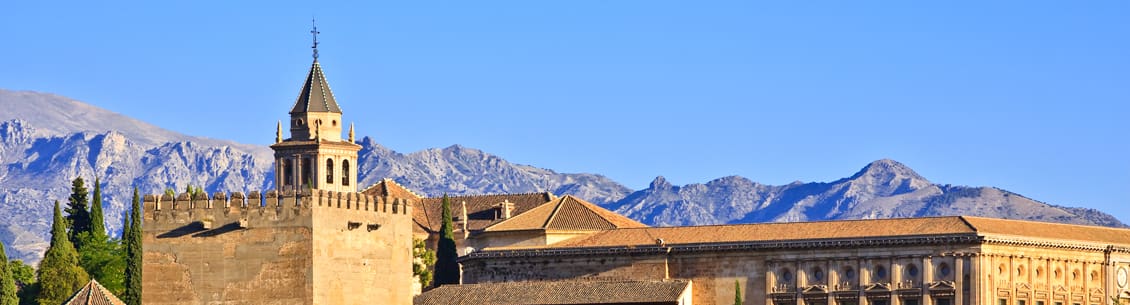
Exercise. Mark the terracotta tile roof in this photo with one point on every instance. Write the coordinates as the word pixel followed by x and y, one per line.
pixel 1048 230
pixel 482 210
pixel 771 232
pixel 557 293
pixel 566 213
pixel 316 95
pixel 93 294
pixel 388 187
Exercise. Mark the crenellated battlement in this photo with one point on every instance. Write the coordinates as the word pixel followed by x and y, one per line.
pixel 255 206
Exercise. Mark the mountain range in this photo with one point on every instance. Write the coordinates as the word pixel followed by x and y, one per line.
pixel 47 140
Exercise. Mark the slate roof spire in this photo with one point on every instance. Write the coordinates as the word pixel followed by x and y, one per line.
pixel 316 95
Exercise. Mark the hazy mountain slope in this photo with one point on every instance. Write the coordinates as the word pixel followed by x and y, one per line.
pixel 460 170
pixel 882 189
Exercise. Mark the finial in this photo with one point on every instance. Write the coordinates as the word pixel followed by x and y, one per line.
pixel 278 133
pixel 315 33
pixel 351 133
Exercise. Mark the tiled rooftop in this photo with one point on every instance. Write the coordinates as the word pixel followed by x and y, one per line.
pixel 557 293
pixel 93 294
pixel 566 213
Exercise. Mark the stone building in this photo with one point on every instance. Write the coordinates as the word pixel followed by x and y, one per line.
pixel 316 240
pixel 913 261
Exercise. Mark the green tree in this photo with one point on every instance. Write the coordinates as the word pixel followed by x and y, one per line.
pixel 422 261
pixel 447 268
pixel 78 215
pixel 737 293
pixel 8 291
pixel 59 272
pixel 97 220
pixel 132 240
pixel 25 281
pixel 105 260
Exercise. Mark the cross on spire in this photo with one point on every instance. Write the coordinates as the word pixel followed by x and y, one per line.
pixel 315 33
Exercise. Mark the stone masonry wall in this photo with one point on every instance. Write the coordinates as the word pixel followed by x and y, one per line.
pixel 275 249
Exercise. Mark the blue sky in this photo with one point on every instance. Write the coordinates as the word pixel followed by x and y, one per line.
pixel 1029 96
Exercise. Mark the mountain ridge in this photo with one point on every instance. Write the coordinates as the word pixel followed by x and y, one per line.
pixel 39 155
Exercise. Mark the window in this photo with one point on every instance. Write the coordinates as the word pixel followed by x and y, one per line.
pixel 880 302
pixel 329 171
pixel 306 171
pixel 1039 302
pixel 944 270
pixel 908 301
pixel 345 172
pixel 817 274
pixel 288 172
pixel 1021 302
pixel 912 270
pixel 849 274
pixel 880 272
pixel 1002 301
pixel 943 302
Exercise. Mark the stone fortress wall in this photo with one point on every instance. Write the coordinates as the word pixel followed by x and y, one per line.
pixel 316 247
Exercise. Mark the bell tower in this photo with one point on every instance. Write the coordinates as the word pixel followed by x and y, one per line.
pixel 314 156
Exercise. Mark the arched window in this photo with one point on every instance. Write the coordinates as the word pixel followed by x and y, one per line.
pixel 329 171
pixel 345 172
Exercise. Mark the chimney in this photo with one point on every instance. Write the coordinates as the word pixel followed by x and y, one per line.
pixel 506 207
pixel 463 218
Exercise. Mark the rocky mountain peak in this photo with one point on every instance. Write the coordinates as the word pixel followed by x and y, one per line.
pixel 660 183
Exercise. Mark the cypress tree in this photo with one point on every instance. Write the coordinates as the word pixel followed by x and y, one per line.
pixel 8 291
pixel 78 214
pixel 97 221
pixel 447 268
pixel 737 293
pixel 59 272
pixel 132 241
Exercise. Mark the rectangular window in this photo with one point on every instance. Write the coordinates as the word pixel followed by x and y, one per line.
pixel 942 302
pixel 1002 302
pixel 880 302
pixel 1021 302
pixel 1058 303
pixel 910 301
pixel 1039 302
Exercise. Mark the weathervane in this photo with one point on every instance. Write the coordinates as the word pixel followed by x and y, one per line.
pixel 315 32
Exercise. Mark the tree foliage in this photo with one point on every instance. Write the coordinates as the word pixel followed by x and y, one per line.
pixel 78 214
pixel 8 291
pixel 24 276
pixel 104 259
pixel 737 293
pixel 132 240
pixel 447 268
pixel 423 259
pixel 97 220
pixel 59 272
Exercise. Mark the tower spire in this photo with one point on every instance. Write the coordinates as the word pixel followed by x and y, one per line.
pixel 315 33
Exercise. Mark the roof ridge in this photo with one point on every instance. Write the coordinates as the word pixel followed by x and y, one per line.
pixel 552 216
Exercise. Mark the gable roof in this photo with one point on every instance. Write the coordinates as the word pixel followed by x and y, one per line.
pixel 316 95
pixel 558 293
pixel 566 213
pixel 389 187
pixel 482 210
pixel 93 294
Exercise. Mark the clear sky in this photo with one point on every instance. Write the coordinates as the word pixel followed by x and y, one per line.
pixel 1029 96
